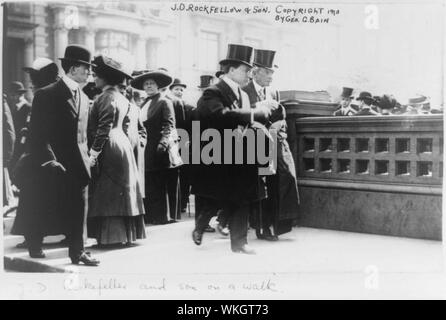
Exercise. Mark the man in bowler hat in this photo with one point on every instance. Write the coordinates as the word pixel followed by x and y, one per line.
pixel 58 147
pixel 229 186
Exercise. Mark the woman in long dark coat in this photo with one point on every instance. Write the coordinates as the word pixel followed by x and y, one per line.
pixel 161 174
pixel 116 210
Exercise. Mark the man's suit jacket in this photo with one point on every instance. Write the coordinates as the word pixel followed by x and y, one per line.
pixel 219 108
pixel 59 129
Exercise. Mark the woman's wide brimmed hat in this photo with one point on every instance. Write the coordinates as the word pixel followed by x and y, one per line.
pixel 418 99
pixel 177 82
pixel 161 77
pixel 239 54
pixel 43 67
pixel 388 101
pixel 77 53
pixel 108 66
pixel 367 96
pixel 264 59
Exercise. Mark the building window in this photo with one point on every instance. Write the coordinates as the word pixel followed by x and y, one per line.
pixel 208 51
pixel 74 36
pixel 110 42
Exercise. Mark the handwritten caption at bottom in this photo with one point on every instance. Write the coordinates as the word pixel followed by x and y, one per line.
pixel 103 286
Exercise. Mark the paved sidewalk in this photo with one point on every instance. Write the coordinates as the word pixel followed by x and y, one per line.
pixel 306 263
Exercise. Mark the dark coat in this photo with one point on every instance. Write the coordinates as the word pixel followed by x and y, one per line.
pixel 21 119
pixel 9 135
pixel 58 132
pixel 284 194
pixel 137 134
pixel 160 125
pixel 365 112
pixel 217 109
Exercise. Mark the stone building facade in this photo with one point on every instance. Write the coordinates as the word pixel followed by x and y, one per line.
pixel 147 35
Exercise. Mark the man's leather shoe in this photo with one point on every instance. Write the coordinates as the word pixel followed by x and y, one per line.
pixel 270 237
pixel 209 229
pixel 37 254
pixel 223 231
pixel 22 245
pixel 86 259
pixel 197 237
pixel 244 249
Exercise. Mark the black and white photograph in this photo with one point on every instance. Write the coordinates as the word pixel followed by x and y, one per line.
pixel 223 150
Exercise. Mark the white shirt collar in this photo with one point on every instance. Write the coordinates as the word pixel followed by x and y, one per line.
pixel 232 84
pixel 73 85
pixel 257 86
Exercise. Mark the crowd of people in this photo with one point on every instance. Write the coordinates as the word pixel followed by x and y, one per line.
pixel 386 104
pixel 103 155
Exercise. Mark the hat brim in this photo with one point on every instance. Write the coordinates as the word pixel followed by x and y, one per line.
pixel 177 85
pixel 225 61
pixel 109 69
pixel 29 69
pixel 79 61
pixel 365 98
pixel 272 68
pixel 163 80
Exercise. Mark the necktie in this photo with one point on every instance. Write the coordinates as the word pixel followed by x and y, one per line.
pixel 76 98
pixel 262 94
pixel 240 98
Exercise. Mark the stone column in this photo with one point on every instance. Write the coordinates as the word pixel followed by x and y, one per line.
pixel 29 52
pixel 153 50
pixel 90 40
pixel 28 59
pixel 60 42
pixel 141 53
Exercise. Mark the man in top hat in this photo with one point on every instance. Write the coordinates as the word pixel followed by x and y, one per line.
pixel 231 187
pixel 58 147
pixel 205 81
pixel 344 106
pixel 365 104
pixel 275 215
